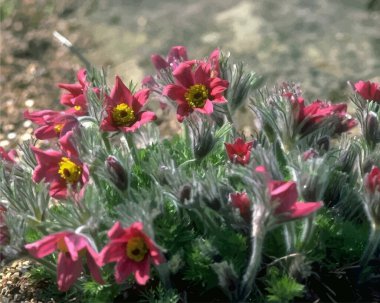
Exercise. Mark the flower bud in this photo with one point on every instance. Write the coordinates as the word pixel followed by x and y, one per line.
pixel 117 173
pixel 371 128
pixel 185 193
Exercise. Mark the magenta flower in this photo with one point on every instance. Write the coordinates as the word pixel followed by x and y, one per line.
pixel 368 90
pixel 241 201
pixel 239 151
pixel 72 248
pixel 60 168
pixel 176 55
pixel 124 110
pixel 53 124
pixel 195 90
pixel 76 97
pixel 9 157
pixel 284 200
pixel 372 180
pixel 132 250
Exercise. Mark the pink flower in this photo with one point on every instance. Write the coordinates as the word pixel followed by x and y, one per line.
pixel 124 110
pixel 76 97
pixel 8 156
pixel 284 199
pixel 195 90
pixel 72 248
pixel 132 250
pixel 53 124
pixel 239 151
pixel 372 180
pixel 242 202
pixel 368 90
pixel 60 168
pixel 176 55
pixel 309 154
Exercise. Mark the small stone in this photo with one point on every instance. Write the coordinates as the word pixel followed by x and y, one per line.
pixel 27 123
pixel 29 103
pixel 11 136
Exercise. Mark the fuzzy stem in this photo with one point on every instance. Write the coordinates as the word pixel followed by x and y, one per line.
pixel 372 245
pixel 107 143
pixel 132 147
pixel 258 231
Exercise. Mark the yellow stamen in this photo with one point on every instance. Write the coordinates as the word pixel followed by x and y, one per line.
pixel 136 249
pixel 77 107
pixel 196 95
pixel 58 128
pixel 123 115
pixel 61 245
pixel 69 171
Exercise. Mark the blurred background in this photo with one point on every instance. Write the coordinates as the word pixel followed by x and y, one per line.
pixel 320 44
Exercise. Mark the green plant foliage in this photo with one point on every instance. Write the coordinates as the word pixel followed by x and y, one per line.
pixel 159 294
pixel 281 288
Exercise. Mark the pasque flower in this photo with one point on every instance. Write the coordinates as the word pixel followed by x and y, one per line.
pixel 76 98
pixel 124 110
pixel 60 168
pixel 311 116
pixel 53 124
pixel 72 247
pixel 368 90
pixel 239 151
pixel 195 89
pixel 8 156
pixel 372 180
pixel 176 55
pixel 241 201
pixel 132 250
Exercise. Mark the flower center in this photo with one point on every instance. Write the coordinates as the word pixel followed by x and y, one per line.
pixel 196 95
pixel 58 128
pixel 136 249
pixel 69 171
pixel 77 107
pixel 123 115
pixel 61 245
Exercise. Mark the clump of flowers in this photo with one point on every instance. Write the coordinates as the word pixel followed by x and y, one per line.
pixel 116 211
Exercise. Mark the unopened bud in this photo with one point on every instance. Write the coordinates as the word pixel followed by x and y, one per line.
pixel 117 173
pixel 185 193
pixel 371 128
pixel 323 143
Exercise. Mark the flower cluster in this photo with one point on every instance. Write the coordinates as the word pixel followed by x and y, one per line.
pixel 107 199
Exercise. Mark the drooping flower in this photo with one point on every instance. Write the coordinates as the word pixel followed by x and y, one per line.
pixel 195 89
pixel 309 117
pixel 72 247
pixel 283 199
pixel 241 201
pixel 76 97
pixel 124 110
pixel 239 151
pixel 368 90
pixel 284 196
pixel 62 169
pixel 132 250
pixel 53 124
pixel 372 197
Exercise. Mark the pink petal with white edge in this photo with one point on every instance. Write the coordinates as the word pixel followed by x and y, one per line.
pixel 120 93
pixel 68 271
pixel 142 272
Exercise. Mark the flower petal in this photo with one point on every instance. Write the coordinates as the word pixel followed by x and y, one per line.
pixel 46 246
pixel 174 92
pixel 123 269
pixel 183 74
pixel 139 99
pixel 142 272
pixel 93 266
pixel 120 93
pixel 68 271
pixel 303 209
